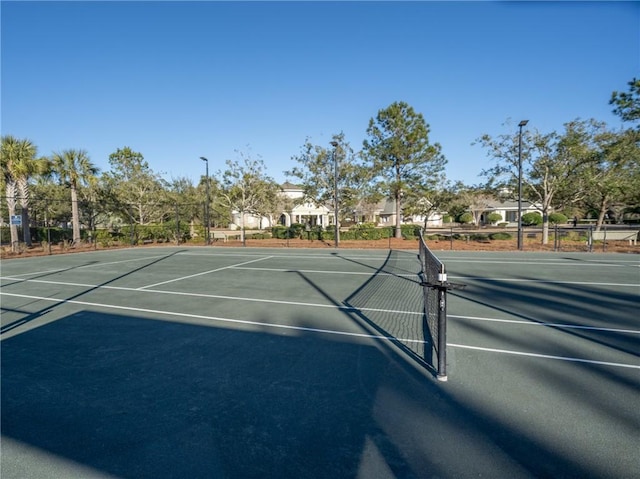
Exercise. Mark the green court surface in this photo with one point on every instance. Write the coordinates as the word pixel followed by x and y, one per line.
pixel 213 362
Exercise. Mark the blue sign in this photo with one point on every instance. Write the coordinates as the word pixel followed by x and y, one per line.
pixel 16 220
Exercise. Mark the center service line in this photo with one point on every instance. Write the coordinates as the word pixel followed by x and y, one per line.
pixel 204 272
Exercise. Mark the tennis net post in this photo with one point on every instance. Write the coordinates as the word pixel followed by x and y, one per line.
pixel 435 286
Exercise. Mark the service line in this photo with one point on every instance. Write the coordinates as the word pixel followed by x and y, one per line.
pixel 544 356
pixel 203 273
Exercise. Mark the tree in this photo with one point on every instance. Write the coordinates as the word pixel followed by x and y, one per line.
pixel 19 163
pixel 474 200
pixel 400 155
pixel 135 189
pixel 627 104
pixel 612 176
pixel 426 200
pixel 74 168
pixel 246 189
pixel 50 200
pixel 552 164
pixel 184 197
pixel 479 202
pixel 625 149
pixel 317 172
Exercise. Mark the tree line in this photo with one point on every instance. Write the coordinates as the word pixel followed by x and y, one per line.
pixel 585 169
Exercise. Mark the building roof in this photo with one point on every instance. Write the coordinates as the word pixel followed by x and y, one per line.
pixel 510 204
pixel 290 186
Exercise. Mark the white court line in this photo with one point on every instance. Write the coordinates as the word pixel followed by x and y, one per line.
pixel 215 318
pixel 97 265
pixel 340 256
pixel 203 273
pixel 289 270
pixel 312 330
pixel 543 281
pixel 543 356
pixel 548 325
pixel 522 262
pixel 413 275
pixel 318 305
pixel 217 296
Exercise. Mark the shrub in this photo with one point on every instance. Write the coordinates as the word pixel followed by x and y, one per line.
pixel 367 231
pixel 557 219
pixel 297 230
pixel 465 218
pixel 410 231
pixel 500 236
pixel 436 237
pixel 104 238
pixel 260 236
pixel 366 225
pixel 479 237
pixel 531 219
pixel 279 231
pixel 494 217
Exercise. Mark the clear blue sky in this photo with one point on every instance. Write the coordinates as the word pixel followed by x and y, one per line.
pixel 180 80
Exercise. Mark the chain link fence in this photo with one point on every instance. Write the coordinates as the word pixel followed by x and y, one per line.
pixel 50 222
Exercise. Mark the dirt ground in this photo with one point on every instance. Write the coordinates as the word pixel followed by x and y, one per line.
pixel 392 243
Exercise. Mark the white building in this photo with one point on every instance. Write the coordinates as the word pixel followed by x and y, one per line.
pixel 385 215
pixel 303 213
pixel 509 211
pixel 296 210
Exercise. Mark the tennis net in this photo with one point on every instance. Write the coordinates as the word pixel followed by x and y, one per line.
pixel 434 290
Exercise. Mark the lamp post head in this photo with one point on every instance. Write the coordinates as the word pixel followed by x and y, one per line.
pixel 523 123
pixel 204 159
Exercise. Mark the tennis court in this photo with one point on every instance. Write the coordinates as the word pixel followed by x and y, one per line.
pixel 247 362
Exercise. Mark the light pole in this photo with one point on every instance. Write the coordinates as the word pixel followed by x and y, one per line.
pixel 335 193
pixel 521 124
pixel 206 206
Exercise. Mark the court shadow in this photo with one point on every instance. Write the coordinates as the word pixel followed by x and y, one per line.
pixel 143 398
pixel 135 397
pixel 568 304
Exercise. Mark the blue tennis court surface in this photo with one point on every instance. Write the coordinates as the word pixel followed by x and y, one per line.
pixel 243 362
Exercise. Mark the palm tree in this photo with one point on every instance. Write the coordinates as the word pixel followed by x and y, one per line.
pixel 18 162
pixel 74 168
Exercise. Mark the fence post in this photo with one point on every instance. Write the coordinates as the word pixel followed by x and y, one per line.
pixel 177 225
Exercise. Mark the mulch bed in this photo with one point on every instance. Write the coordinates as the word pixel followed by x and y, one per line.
pixel 392 243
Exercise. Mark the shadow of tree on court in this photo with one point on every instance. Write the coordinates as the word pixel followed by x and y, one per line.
pixel 142 398
pixel 572 305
